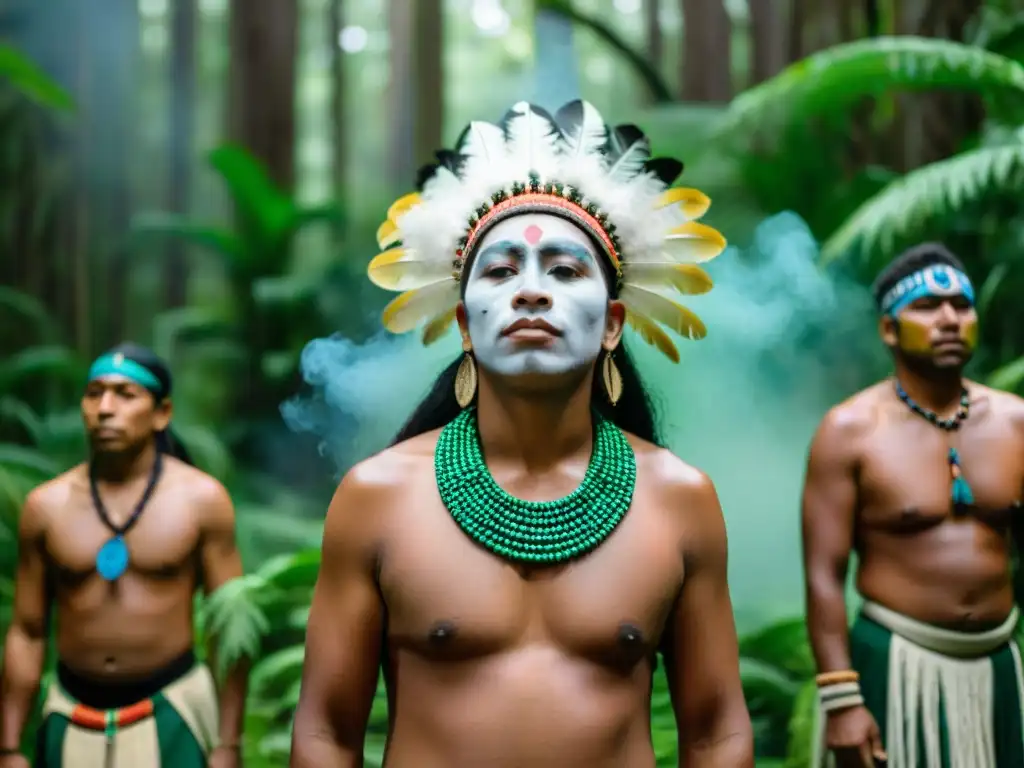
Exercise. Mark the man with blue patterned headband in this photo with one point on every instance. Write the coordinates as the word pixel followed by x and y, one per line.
pixel 115 548
pixel 921 476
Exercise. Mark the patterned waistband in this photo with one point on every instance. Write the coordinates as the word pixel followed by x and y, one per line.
pixel 111 719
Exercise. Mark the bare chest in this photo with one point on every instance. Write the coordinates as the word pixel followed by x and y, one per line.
pixel 906 478
pixel 448 598
pixel 161 543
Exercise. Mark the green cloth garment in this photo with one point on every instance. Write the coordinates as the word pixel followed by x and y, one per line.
pixel 173 729
pixel 942 699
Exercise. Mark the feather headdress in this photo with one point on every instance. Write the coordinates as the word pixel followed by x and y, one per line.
pixel 572 165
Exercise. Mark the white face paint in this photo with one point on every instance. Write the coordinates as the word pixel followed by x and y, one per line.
pixel 536 268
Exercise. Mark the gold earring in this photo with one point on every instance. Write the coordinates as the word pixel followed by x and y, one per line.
pixel 465 378
pixel 612 378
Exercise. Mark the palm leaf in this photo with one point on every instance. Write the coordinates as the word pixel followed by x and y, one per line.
pixel 840 76
pixel 924 196
pixel 31 81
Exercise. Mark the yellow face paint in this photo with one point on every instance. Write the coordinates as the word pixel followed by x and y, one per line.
pixel 914 338
pixel 969 333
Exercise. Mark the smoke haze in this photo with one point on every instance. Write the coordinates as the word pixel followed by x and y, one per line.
pixel 785 342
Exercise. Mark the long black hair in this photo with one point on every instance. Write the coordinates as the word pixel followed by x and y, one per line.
pixel 634 413
pixel 167 441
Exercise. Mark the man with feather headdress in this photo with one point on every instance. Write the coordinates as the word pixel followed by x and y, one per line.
pixel 516 560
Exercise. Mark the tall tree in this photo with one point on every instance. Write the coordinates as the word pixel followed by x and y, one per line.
pixel 263 40
pixel 415 116
pixel 179 150
pixel 707 52
pixel 339 136
pixel 768 41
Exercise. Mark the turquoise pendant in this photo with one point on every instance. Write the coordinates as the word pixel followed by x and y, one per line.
pixel 112 559
pixel 961 492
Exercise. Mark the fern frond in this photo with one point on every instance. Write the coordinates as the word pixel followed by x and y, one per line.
pixel 840 76
pixel 911 203
pixel 234 621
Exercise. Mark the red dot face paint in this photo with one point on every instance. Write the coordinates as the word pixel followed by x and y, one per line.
pixel 532 234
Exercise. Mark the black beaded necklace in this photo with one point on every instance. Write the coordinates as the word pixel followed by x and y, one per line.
pixel 112 559
pixel 961 492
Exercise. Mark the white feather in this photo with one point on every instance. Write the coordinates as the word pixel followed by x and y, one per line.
pixel 590 136
pixel 532 140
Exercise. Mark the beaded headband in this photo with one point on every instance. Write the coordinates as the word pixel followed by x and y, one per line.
pixel 936 280
pixel 575 166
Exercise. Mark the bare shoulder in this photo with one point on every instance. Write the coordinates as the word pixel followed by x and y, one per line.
pixel 204 493
pixel 844 426
pixel 369 490
pixel 684 492
pixel 47 499
pixel 1004 405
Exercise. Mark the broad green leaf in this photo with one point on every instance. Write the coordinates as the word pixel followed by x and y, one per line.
pixel 291 571
pixel 219 241
pixel 988 289
pixel 53 362
pixel 186 324
pixel 782 645
pixel 16 411
pixel 1007 377
pixel 260 203
pixel 328 213
pixel 31 81
pixel 922 197
pixel 840 76
pixel 26 307
pixel 19 457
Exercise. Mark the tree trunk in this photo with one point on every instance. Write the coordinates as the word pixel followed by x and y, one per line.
pixel 339 135
pixel 416 94
pixel 652 29
pixel 263 43
pixel 706 59
pixel 179 150
pixel 768 39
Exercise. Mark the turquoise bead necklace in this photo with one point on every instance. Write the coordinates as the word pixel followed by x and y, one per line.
pixel 541 532
pixel 960 492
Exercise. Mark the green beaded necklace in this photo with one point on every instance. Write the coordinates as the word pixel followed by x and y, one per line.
pixel 534 531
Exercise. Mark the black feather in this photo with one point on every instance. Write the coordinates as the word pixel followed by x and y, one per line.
pixel 621 138
pixel 569 117
pixel 666 169
pixel 453 161
pixel 512 114
pixel 425 174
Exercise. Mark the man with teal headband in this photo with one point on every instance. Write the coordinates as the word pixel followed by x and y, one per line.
pixel 115 549
pixel 921 475
pixel 522 554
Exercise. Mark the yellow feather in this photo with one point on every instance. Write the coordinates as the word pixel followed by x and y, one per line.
pixel 692 202
pixel 653 335
pixel 402 205
pixel 400 270
pixel 665 311
pixel 387 235
pixel 438 326
pixel 693 243
pixel 407 311
pixel 685 278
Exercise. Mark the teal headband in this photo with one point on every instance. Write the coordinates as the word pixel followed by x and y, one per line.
pixel 118 365
pixel 935 281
